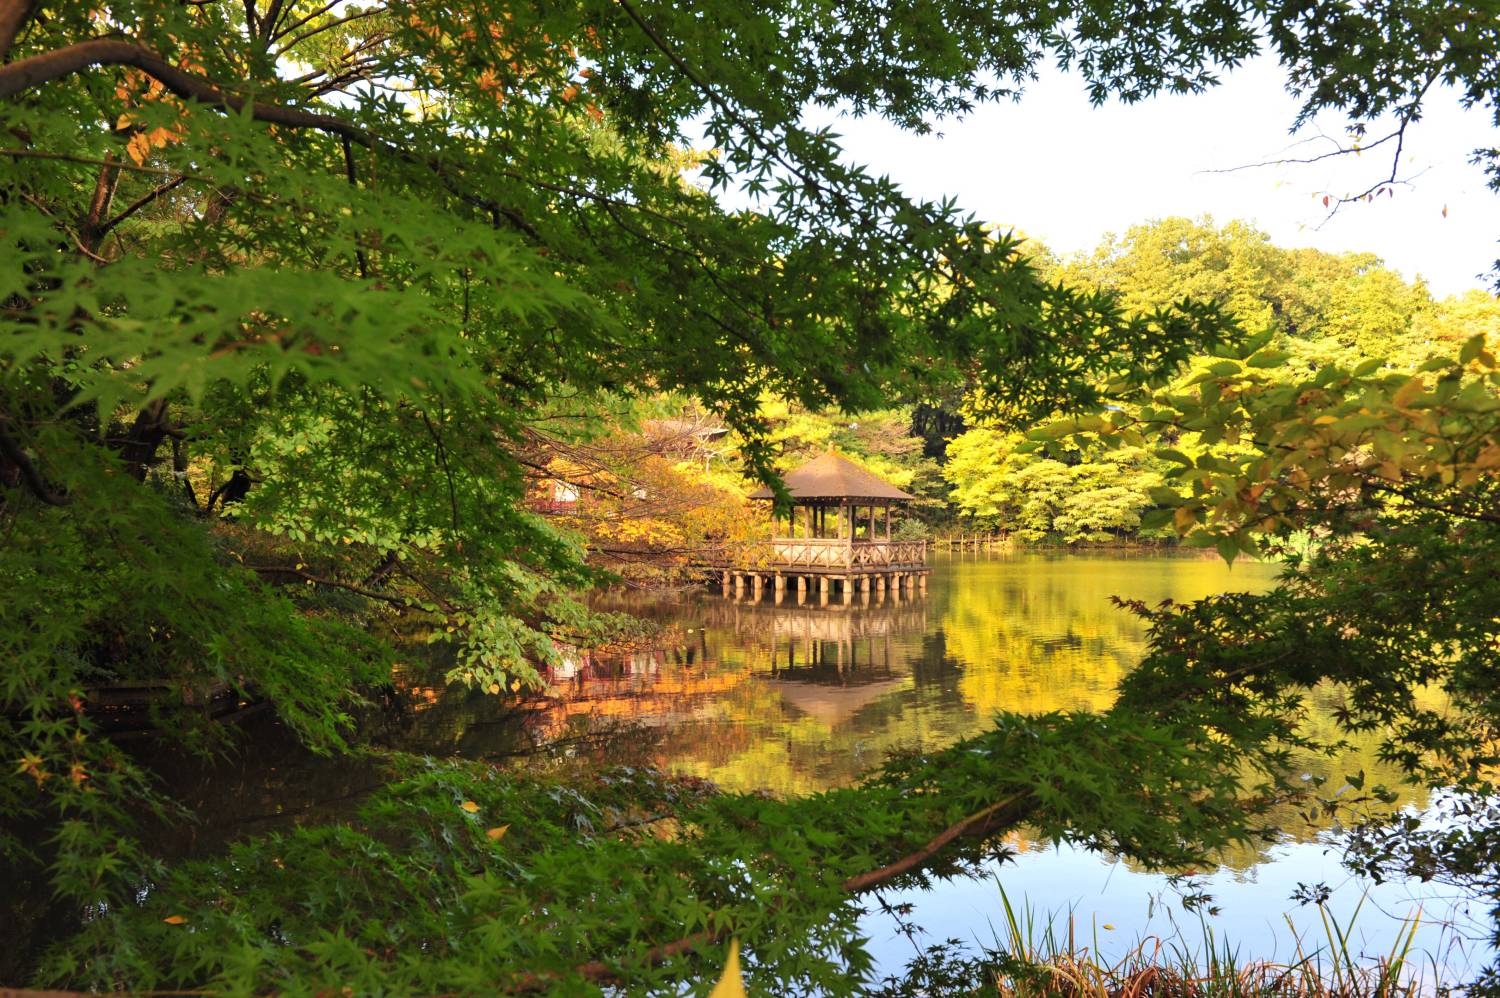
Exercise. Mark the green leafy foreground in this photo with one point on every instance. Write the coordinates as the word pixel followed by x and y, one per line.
pixel 458 877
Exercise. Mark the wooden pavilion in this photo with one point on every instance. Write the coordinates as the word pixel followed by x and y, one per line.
pixel 837 534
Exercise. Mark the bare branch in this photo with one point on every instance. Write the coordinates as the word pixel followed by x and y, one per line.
pixel 142 202
pixel 1408 114
pixel 1339 150
pixel 402 602
pixel 313 32
pixel 303 20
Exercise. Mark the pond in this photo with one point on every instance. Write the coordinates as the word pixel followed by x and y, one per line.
pixel 793 698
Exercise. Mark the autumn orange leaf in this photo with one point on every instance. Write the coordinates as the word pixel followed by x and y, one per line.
pixel 469 806
pixel 174 920
pixel 496 834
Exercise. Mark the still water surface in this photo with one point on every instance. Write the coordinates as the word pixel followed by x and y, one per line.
pixel 798 698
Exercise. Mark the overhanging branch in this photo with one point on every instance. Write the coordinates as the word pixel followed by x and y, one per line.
pixel 18 77
pixel 13 17
pixel 1006 812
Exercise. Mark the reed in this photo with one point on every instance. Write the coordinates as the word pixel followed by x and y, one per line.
pixel 1034 957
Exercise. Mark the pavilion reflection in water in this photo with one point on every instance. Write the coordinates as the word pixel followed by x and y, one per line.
pixel 832 663
pixel 823 662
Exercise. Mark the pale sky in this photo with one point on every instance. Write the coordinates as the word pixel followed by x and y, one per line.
pixel 1067 173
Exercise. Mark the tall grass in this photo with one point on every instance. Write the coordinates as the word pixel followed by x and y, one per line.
pixel 1034 959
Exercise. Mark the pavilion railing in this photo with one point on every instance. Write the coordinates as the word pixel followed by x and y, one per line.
pixel 816 554
pixel 822 552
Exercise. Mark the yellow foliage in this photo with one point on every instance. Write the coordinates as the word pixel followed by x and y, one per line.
pixel 731 982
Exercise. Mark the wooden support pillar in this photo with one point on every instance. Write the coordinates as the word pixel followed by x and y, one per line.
pixel 888 521
pixel 824 584
pixel 739 584
pixel 922 584
pixel 756 581
pixel 848 590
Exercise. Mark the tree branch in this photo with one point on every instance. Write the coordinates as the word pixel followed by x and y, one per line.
pixel 20 76
pixel 13 17
pixel 269 23
pixel 359 253
pixel 36 70
pixel 1004 812
pixel 35 483
pixel 979 823
pixel 442 452
pixel 402 602
pixel 311 32
pixel 140 203
pixel 59 157
pixel 282 33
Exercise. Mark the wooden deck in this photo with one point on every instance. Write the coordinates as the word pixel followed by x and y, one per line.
pixel 828 565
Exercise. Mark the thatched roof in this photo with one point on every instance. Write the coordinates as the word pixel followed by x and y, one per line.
pixel 829 477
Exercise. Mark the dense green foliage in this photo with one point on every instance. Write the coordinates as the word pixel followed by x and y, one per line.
pixel 1088 495
pixel 1317 309
pixel 1393 474
pixel 285 286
